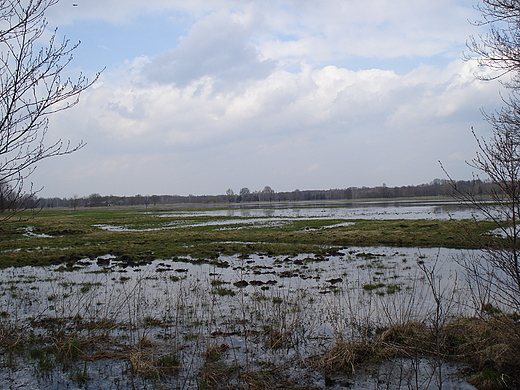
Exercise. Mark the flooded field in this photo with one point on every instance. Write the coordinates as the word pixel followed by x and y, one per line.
pixel 403 209
pixel 255 319
pixel 257 311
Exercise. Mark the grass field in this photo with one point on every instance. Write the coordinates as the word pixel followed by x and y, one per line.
pixel 136 236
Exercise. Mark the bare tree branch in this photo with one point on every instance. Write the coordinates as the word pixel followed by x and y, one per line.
pixel 499 48
pixel 497 272
pixel 31 88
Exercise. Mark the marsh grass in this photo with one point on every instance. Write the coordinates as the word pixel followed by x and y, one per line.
pixel 79 375
pixel 149 360
pixel 159 335
pixel 489 347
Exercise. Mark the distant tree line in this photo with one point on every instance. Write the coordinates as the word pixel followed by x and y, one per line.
pixel 437 187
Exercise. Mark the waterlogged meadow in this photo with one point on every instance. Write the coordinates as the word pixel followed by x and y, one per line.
pixel 280 297
pixel 136 236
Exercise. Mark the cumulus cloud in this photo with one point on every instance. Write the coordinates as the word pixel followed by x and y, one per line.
pixel 217 47
pixel 327 126
pixel 290 30
pixel 260 93
pixel 336 29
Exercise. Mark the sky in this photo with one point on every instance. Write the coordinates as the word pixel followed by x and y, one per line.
pixel 201 96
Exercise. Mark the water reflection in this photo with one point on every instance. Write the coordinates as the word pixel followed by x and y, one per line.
pixel 442 209
pixel 268 212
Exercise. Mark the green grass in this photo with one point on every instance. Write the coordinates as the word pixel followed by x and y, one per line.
pixel 223 291
pixel 371 286
pixel 75 237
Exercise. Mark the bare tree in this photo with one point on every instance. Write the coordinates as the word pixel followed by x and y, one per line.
pixel 74 201
pixel 497 273
pixel 498 49
pixel 230 195
pixel 267 193
pixel 245 194
pixel 31 88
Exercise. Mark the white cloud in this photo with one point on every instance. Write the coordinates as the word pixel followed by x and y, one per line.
pixel 217 47
pixel 315 31
pixel 316 128
pixel 374 28
pixel 291 94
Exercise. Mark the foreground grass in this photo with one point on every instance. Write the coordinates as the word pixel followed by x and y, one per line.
pixel 66 236
pixel 488 347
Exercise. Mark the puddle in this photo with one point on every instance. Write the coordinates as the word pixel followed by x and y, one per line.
pixel 280 214
pixel 29 232
pixel 238 224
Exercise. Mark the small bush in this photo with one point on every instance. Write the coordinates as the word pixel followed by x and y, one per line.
pixel 223 291
pixel 370 286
